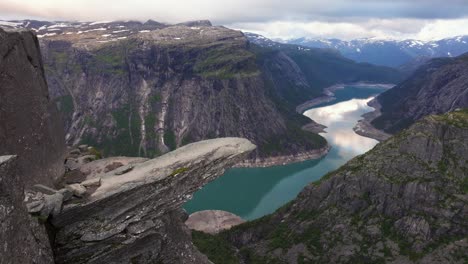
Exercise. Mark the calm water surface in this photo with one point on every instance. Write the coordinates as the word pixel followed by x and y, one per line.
pixel 255 192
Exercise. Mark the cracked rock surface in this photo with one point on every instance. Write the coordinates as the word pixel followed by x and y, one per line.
pixel 135 215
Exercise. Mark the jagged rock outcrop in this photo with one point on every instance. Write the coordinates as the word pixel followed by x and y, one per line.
pixel 30 126
pixel 404 201
pixel 134 215
pixel 23 239
pixel 437 87
pixel 30 129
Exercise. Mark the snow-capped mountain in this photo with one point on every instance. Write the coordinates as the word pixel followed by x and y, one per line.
pixel 390 52
pixel 92 32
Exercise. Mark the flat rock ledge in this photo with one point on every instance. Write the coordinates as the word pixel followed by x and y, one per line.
pixel 213 221
pixel 133 214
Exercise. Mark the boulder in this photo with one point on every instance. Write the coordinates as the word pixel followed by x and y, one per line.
pixel 77 189
pixel 213 221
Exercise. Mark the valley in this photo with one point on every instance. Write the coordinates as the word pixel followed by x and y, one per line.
pixel 153 142
pixel 254 192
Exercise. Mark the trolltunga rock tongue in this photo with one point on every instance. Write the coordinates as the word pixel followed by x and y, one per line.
pixel 135 214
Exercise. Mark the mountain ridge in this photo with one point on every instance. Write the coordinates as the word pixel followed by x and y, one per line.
pixel 437 87
pixel 393 53
pixel 126 82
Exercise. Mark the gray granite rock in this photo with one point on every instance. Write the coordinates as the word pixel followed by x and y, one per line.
pixel 136 216
pixel 77 189
pixel 31 127
pixel 23 238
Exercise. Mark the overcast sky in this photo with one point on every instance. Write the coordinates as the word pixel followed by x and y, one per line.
pixel 345 19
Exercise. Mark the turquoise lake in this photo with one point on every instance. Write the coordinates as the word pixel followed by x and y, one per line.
pixel 254 192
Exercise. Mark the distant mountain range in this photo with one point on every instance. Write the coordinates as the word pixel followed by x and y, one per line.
pixel 391 53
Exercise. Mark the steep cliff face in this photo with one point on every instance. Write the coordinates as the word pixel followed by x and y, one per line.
pixel 22 238
pixel 439 86
pixel 32 140
pixel 158 90
pixel 404 201
pixel 29 122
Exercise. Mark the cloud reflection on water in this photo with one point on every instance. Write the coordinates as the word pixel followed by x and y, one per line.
pixel 340 119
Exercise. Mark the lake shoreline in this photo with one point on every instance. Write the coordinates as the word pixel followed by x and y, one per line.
pixel 363 128
pixel 284 159
pixel 329 94
pixel 366 129
pixel 266 184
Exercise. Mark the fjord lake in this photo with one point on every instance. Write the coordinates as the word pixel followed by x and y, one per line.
pixel 254 192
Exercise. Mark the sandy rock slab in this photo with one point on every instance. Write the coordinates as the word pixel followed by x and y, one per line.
pixel 213 221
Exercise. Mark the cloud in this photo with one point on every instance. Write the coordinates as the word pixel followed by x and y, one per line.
pixel 337 18
pixel 423 29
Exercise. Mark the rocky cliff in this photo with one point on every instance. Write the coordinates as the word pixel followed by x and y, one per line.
pixel 132 213
pixel 37 139
pixel 115 210
pixel 437 87
pixel 23 238
pixel 142 89
pixel 151 91
pixel 404 201
pixel 33 143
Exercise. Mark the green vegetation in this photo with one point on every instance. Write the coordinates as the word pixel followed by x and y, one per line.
pixel 250 257
pixel 62 62
pixel 128 137
pixel 60 58
pixel 388 230
pixel 109 61
pixel 218 250
pixel 111 58
pixel 458 118
pixel 294 136
pixel 281 237
pixel 95 152
pixel 150 124
pixel 226 62
pixel 464 185
pixel 88 120
pixel 178 171
pixel 170 139
pixel 65 104
pixel 156 98
pixel 187 139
